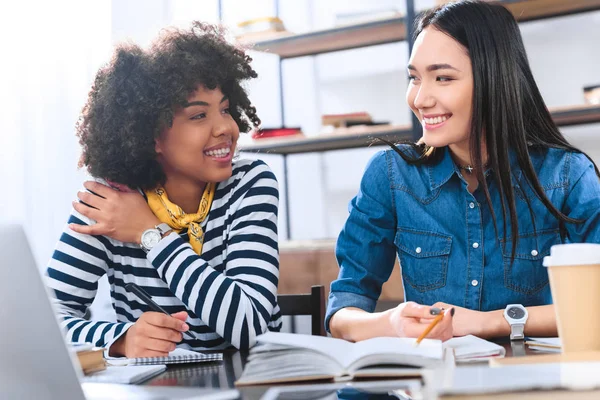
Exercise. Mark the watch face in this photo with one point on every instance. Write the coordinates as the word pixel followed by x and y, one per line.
pixel 515 313
pixel 150 239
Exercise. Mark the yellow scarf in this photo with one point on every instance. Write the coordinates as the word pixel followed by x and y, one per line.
pixel 177 219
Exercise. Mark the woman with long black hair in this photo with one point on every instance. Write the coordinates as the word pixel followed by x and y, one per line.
pixel 475 205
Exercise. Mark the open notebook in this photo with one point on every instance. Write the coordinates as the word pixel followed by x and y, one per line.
pixel 177 356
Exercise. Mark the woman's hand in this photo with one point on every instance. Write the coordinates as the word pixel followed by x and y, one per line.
pixel 465 321
pixel 153 335
pixel 411 319
pixel 123 216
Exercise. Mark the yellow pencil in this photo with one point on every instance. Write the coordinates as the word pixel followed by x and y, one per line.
pixel 431 325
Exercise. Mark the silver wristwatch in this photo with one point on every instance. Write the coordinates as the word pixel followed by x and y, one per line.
pixel 152 236
pixel 516 315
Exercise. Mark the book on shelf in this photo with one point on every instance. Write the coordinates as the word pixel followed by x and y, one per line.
pixel 358 17
pixel 91 359
pixel 260 29
pixel 275 132
pixel 591 94
pixel 286 357
pixel 342 120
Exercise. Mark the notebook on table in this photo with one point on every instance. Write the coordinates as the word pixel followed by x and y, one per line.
pixel 177 356
pixel 544 344
pixel 468 349
pixel 129 374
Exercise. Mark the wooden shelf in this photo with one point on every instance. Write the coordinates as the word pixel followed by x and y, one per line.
pixel 363 136
pixel 393 29
pixel 335 39
pixel 576 115
pixel 530 10
pixel 343 138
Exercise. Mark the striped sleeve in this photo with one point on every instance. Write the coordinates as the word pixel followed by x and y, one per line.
pixel 78 262
pixel 236 303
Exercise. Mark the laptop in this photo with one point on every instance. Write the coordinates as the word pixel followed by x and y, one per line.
pixel 34 360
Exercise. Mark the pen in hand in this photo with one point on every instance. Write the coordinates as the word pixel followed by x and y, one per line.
pixel 145 297
pixel 439 313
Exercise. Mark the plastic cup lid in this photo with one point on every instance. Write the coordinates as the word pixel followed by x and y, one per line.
pixel 573 254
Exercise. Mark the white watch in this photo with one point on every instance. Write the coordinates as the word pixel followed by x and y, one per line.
pixel 152 236
pixel 516 315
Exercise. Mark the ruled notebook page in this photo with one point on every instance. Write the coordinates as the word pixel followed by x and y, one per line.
pixel 177 356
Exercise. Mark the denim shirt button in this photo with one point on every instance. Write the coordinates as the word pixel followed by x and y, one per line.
pixel 474 282
pixel 534 253
pixel 418 250
pixel 472 205
pixel 475 245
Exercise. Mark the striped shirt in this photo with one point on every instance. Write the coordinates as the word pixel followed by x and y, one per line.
pixel 229 291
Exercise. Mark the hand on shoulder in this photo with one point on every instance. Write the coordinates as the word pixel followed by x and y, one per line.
pixel 123 216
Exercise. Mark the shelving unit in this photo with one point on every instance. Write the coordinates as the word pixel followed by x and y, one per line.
pixel 363 136
pixel 388 31
pixel 394 29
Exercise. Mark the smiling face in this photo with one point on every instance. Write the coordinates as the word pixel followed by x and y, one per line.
pixel 440 91
pixel 199 146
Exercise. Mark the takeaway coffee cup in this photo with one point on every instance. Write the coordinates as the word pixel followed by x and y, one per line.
pixel 574 272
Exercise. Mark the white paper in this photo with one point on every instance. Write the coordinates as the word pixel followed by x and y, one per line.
pixel 548 341
pixel 469 348
pixel 125 374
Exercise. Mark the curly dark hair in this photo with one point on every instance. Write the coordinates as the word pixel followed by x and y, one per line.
pixel 133 97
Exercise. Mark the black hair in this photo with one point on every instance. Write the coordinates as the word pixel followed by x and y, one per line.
pixel 508 111
pixel 134 96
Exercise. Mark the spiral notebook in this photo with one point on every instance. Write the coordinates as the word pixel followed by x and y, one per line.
pixel 177 356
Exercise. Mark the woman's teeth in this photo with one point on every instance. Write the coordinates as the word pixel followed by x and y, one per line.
pixel 218 153
pixel 436 120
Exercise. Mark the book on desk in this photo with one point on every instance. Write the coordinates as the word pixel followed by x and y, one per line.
pixel 285 357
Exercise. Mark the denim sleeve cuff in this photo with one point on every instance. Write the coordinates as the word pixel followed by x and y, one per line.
pixel 339 300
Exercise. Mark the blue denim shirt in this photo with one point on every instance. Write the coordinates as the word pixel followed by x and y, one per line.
pixel 444 236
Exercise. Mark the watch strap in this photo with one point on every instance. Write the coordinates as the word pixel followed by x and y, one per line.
pixel 518 348
pixel 163 228
pixel 517 331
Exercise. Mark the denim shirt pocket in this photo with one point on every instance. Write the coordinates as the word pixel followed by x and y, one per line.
pixel 423 258
pixel 526 274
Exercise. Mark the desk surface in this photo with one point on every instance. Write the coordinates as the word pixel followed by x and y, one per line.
pixel 224 374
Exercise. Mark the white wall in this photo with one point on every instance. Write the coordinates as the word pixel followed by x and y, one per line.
pixel 50 54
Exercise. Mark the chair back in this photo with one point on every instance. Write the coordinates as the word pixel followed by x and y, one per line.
pixel 312 304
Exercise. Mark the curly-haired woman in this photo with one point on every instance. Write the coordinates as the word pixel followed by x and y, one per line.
pixel 169 209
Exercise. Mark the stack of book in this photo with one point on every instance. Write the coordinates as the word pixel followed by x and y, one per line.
pixel 275 132
pixel 91 359
pixel 260 28
pixel 592 94
pixel 345 120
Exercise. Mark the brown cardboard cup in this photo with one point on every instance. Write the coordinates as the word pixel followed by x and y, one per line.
pixel 574 272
